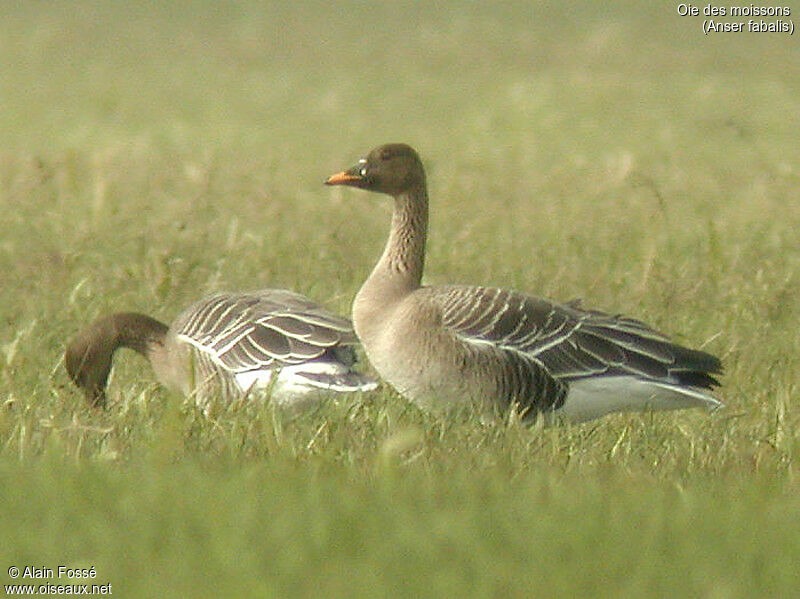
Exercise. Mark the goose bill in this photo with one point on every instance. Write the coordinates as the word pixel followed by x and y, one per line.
pixel 348 177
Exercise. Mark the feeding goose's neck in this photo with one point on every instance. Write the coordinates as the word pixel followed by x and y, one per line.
pixel 138 332
pixel 89 354
pixel 399 270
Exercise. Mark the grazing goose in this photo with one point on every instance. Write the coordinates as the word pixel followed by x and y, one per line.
pixel 227 344
pixel 444 346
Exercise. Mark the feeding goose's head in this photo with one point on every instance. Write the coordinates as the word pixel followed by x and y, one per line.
pixel 88 362
pixel 391 169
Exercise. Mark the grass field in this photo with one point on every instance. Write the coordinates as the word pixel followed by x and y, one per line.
pixel 151 153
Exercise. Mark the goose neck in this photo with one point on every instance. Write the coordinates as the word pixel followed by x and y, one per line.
pixel 138 332
pixel 403 258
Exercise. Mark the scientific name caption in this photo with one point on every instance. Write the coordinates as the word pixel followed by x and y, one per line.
pixel 740 18
pixel 62 580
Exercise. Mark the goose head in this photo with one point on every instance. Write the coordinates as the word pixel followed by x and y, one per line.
pixel 88 362
pixel 393 169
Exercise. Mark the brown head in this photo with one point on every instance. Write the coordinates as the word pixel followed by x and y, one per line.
pixel 89 354
pixel 392 169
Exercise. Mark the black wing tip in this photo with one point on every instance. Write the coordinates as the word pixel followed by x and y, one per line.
pixel 697 360
pixel 700 380
pixel 696 368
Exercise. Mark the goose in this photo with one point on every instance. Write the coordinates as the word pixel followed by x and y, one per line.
pixel 448 346
pixel 227 345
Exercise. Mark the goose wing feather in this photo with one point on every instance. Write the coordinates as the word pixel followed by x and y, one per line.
pixel 248 331
pixel 568 341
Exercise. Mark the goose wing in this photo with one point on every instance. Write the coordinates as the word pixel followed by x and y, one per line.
pixel 570 342
pixel 264 329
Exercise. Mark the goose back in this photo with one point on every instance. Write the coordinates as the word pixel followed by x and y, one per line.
pixel 241 340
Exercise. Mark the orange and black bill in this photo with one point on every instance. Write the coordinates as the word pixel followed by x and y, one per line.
pixel 353 177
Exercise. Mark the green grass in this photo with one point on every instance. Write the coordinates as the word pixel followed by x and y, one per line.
pixel 150 155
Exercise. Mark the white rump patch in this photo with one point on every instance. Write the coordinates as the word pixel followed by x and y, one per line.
pixel 594 397
pixel 293 383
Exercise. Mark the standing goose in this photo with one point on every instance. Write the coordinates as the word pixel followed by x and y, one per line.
pixel 227 344
pixel 449 345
